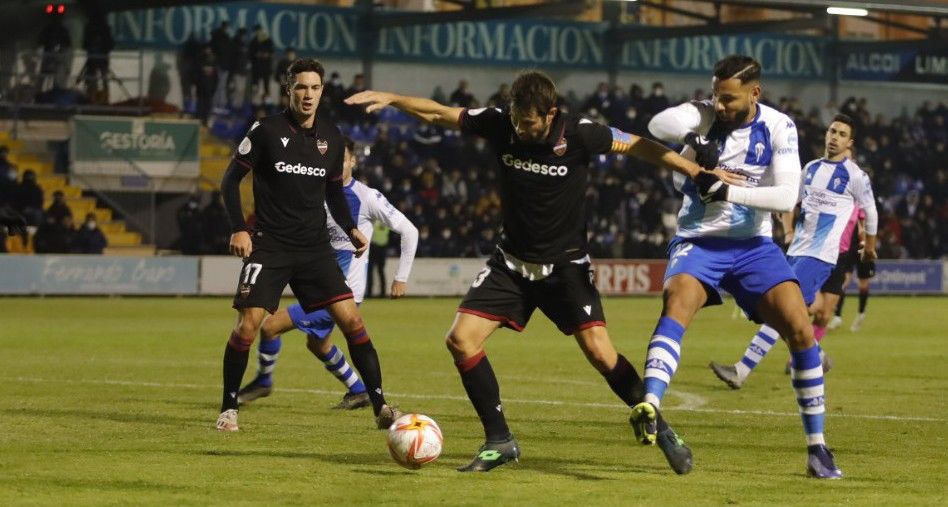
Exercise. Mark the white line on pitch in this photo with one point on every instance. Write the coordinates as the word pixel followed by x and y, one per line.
pixel 686 407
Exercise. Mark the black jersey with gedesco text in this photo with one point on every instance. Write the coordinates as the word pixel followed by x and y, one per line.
pixel 543 185
pixel 291 166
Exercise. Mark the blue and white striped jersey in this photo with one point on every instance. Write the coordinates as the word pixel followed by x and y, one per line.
pixel 756 150
pixel 368 206
pixel 829 192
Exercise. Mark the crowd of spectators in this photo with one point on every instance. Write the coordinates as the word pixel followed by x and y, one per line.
pixel 55 230
pixel 204 230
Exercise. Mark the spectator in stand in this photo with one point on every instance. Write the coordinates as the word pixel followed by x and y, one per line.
pixel 261 63
pixel 241 66
pixel 279 73
pixel 333 95
pixel 657 101
pixel 355 115
pixel 215 226
pixel 29 198
pixel 600 101
pixel 188 70
pixel 222 47
pixel 54 237
pixel 58 210
pixel 8 184
pixel 191 241
pixel 89 238
pixel 98 43
pixel 461 96
pixel 207 80
pixel 501 97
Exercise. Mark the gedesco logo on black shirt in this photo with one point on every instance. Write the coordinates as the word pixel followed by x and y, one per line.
pixel 533 167
pixel 301 169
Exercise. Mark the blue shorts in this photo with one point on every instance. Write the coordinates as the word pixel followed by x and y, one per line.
pixel 812 274
pixel 746 268
pixel 318 323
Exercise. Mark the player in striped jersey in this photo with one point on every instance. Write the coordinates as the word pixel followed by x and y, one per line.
pixel 367 206
pixel 724 239
pixel 832 192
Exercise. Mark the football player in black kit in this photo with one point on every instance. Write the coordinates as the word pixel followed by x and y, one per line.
pixel 542 260
pixel 296 159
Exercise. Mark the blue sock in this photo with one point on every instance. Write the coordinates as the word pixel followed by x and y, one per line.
pixel 758 347
pixel 661 362
pixel 268 351
pixel 806 373
pixel 336 363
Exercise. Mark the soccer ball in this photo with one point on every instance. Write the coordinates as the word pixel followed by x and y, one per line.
pixel 413 440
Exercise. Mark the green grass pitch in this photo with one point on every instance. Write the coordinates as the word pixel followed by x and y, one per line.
pixel 112 401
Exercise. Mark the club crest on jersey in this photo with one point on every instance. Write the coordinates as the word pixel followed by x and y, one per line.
pixel 759 150
pixel 322 145
pixel 560 147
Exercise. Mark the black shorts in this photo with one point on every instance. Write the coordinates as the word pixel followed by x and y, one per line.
pixel 865 270
pixel 834 284
pixel 567 296
pixel 313 275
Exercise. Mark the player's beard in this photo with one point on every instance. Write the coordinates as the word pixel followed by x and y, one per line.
pixel 729 125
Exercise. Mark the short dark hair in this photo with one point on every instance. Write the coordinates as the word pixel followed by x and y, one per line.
pixel 847 120
pixel 740 67
pixel 304 65
pixel 533 90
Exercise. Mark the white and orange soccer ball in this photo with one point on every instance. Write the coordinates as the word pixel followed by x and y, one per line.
pixel 414 439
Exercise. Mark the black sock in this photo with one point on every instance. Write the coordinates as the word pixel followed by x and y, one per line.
pixel 366 360
pixel 863 299
pixel 235 364
pixel 839 305
pixel 628 386
pixel 481 386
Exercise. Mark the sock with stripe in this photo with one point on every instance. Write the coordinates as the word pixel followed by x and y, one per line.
pixel 806 374
pixel 267 354
pixel 863 300
pixel 758 347
pixel 335 362
pixel 628 386
pixel 818 333
pixel 236 355
pixel 366 360
pixel 661 362
pixel 479 381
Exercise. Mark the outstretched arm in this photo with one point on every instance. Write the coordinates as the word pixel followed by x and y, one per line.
pixel 425 110
pixel 659 155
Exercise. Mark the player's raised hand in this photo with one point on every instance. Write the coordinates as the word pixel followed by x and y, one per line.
pixel 359 241
pixel 710 187
pixel 240 244
pixel 706 150
pixel 371 99
pixel 398 289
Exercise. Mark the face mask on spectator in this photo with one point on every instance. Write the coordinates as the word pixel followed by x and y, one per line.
pixel 192 204
pixel 90 225
pixel 658 92
pixel 11 175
